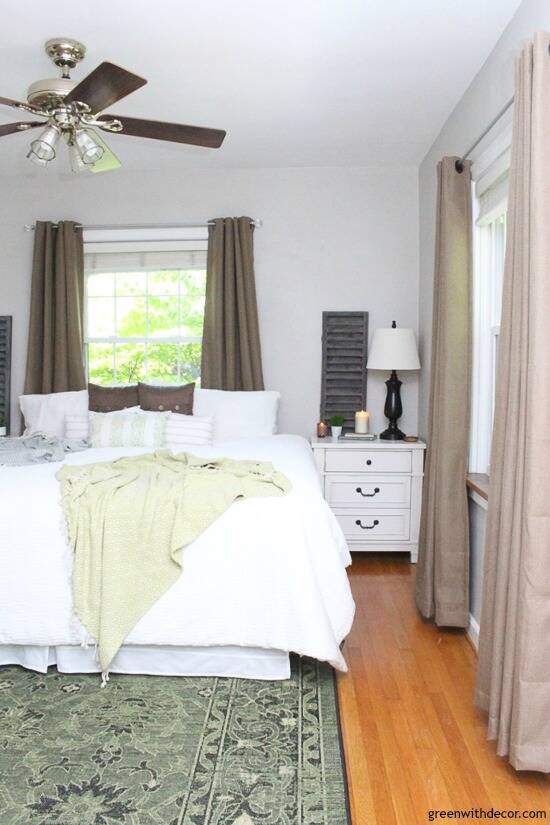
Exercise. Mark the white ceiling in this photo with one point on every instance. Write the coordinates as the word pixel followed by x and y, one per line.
pixel 294 82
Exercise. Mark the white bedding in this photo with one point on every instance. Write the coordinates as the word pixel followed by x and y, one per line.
pixel 270 573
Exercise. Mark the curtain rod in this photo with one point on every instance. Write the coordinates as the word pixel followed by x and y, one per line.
pixel 30 227
pixel 459 164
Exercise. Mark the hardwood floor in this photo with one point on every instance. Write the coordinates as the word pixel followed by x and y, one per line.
pixel 414 742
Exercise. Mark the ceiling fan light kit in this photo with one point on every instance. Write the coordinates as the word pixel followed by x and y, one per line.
pixel 87 148
pixel 73 111
pixel 42 150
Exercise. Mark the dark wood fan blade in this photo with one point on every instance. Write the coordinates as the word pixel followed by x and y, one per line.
pixel 10 128
pixel 104 86
pixel 15 104
pixel 175 132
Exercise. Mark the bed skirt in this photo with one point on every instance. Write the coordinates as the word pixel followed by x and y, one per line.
pixel 230 661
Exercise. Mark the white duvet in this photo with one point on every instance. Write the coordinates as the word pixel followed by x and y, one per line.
pixel 270 573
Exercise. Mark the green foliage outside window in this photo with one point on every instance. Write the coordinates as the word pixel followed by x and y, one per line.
pixel 145 305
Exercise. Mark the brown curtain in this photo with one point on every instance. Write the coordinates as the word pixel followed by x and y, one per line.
pixel 231 351
pixel 513 682
pixel 442 587
pixel 55 360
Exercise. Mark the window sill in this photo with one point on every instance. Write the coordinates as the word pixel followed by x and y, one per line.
pixel 478 483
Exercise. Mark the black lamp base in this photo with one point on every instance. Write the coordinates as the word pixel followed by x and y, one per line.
pixel 392 434
pixel 393 409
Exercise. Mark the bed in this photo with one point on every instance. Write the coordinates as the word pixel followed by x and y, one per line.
pixel 266 579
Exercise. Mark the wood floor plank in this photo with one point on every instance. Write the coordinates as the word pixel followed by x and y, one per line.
pixel 371 750
pixel 361 798
pixel 414 741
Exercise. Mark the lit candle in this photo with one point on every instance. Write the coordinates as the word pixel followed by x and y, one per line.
pixel 362 422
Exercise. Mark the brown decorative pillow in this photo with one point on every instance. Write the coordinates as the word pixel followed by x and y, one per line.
pixel 108 399
pixel 176 399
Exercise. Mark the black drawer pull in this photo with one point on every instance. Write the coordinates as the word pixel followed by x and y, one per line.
pixel 367 526
pixel 367 495
pixel 369 462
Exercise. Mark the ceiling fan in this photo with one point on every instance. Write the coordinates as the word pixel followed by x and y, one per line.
pixel 72 112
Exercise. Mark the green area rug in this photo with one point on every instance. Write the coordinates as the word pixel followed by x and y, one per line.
pixel 151 750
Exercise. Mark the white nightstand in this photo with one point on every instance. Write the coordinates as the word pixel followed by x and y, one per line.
pixel 375 490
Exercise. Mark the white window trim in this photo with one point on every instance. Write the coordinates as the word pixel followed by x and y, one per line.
pixel 154 239
pixel 486 171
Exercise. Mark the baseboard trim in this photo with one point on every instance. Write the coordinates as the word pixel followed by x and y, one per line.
pixel 473 632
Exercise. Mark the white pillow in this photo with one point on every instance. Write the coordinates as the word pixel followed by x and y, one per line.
pixel 188 430
pixel 46 413
pixel 78 426
pixel 127 429
pixel 238 414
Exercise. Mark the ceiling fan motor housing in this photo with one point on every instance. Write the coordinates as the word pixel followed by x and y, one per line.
pixel 49 91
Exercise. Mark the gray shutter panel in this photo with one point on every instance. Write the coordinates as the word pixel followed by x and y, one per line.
pixel 344 365
pixel 5 368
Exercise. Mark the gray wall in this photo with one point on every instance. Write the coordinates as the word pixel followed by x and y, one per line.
pixel 490 90
pixel 332 239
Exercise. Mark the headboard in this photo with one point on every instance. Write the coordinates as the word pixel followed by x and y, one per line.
pixel 5 368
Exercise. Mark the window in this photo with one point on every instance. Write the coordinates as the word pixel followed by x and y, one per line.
pixel 144 311
pixel 490 211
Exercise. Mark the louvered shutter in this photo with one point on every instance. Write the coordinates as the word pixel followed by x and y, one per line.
pixel 5 368
pixel 344 366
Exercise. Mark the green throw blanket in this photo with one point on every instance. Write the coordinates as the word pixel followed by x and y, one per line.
pixel 128 521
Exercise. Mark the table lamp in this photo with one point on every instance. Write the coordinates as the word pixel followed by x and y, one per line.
pixel 393 349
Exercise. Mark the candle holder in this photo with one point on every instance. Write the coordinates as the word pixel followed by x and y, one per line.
pixel 322 429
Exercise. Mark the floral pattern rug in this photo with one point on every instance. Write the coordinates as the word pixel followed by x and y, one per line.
pixel 152 750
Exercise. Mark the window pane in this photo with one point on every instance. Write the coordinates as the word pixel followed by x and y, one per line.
pixel 193 279
pixel 163 282
pixel 100 283
pixel 150 305
pixel 130 363
pixel 163 316
pixel 131 317
pixel 162 363
pixel 101 317
pixel 190 362
pixel 192 297
pixel 101 363
pixel 488 275
pixel 131 283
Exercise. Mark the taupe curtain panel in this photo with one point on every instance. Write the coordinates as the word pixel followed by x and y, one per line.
pixel 231 351
pixel 513 682
pixel 442 587
pixel 55 360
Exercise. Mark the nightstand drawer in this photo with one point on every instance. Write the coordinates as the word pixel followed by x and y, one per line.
pixel 375 526
pixel 367 491
pixel 368 461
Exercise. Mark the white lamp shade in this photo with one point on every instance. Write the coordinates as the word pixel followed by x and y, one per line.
pixel 393 349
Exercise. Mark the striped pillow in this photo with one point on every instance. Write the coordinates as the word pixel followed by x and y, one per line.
pixel 188 430
pixel 78 426
pixel 131 430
